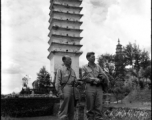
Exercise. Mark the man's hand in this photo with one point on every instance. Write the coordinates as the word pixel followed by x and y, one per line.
pixel 101 77
pixel 91 79
pixel 97 80
pixel 78 84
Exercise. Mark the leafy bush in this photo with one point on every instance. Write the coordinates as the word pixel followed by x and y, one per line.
pixel 27 107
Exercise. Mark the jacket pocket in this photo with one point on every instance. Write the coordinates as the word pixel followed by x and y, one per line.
pixel 64 78
pixel 72 78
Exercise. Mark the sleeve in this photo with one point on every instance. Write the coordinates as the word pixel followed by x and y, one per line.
pixel 58 81
pixel 85 76
pixel 75 78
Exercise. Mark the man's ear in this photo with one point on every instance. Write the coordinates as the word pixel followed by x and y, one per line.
pixel 63 58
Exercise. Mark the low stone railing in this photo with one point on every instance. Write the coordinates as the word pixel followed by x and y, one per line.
pixel 116 113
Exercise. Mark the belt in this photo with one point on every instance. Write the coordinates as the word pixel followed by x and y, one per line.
pixel 69 85
pixel 97 85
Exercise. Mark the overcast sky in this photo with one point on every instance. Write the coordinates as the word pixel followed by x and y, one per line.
pixel 25 34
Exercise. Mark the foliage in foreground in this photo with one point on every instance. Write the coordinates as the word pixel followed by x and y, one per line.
pixel 27 107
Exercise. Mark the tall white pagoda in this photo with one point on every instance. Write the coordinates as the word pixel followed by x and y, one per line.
pixel 64 33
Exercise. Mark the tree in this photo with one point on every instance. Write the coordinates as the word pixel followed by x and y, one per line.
pixel 106 62
pixel 118 89
pixel 44 79
pixel 105 58
pixel 137 57
pixel 145 60
pixel 147 72
pixel 128 54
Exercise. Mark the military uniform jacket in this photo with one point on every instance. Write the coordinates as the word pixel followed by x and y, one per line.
pixel 62 77
pixel 91 72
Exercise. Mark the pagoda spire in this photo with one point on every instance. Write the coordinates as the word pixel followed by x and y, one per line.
pixel 118 41
pixel 118 47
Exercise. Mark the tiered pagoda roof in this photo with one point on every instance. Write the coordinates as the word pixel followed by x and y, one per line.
pixel 65 12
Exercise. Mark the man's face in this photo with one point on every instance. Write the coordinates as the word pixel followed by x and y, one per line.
pixel 91 58
pixel 68 61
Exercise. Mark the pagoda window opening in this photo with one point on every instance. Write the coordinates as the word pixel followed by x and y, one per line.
pixel 66 50
pixel 67 34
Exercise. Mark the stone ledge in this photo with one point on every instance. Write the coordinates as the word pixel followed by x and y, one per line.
pixel 118 113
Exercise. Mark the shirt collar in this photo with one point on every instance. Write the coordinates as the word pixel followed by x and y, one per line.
pixel 66 67
pixel 90 66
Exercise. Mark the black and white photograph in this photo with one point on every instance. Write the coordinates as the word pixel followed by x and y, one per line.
pixel 76 59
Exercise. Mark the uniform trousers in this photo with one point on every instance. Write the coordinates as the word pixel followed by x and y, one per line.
pixel 66 109
pixel 94 101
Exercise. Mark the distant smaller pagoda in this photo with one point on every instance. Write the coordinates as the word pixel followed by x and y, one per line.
pixel 119 59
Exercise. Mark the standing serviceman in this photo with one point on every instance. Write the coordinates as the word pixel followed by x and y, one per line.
pixel 94 77
pixel 64 86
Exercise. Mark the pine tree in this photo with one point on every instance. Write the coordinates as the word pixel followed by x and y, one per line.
pixel 44 78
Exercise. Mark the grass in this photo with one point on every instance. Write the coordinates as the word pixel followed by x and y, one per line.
pixel 139 99
pixel 136 105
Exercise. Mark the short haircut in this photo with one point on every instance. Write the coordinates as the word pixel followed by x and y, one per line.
pixel 89 54
pixel 64 57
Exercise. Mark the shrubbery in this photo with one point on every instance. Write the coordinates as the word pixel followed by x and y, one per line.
pixel 27 107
